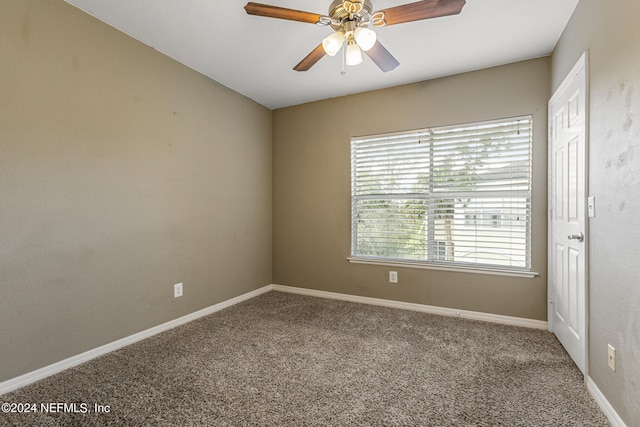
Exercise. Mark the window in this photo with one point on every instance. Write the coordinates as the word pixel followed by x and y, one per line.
pixel 458 196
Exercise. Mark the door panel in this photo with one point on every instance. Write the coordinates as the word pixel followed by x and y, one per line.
pixel 558 180
pixel 572 288
pixel 572 173
pixel 560 287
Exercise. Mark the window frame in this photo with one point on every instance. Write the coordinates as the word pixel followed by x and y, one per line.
pixel 435 244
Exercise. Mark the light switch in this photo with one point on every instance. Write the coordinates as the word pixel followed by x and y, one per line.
pixel 591 206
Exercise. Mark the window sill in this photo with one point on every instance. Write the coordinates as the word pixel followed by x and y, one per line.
pixel 432 266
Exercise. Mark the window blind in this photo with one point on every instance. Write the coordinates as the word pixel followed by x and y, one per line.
pixel 458 195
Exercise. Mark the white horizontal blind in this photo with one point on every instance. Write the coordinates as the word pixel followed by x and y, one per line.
pixel 457 195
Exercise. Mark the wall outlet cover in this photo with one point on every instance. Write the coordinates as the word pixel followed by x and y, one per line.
pixel 177 290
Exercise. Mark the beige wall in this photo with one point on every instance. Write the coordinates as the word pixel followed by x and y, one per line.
pixel 311 175
pixel 122 172
pixel 610 31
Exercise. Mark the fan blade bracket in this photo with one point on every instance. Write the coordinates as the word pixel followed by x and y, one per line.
pixel 377 19
pixel 324 21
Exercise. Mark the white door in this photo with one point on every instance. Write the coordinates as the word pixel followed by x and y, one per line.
pixel 567 298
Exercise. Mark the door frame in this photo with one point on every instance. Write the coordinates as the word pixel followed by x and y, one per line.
pixel 581 64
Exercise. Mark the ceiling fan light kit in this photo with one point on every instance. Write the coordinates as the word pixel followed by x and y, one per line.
pixel 350 20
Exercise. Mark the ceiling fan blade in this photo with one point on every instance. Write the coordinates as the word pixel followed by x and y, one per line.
pixel 281 13
pixel 382 58
pixel 419 10
pixel 311 59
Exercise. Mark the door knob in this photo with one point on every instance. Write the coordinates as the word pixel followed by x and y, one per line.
pixel 578 237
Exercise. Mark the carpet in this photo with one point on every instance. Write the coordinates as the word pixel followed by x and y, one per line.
pixel 282 359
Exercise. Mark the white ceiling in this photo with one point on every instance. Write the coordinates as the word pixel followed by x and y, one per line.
pixel 255 56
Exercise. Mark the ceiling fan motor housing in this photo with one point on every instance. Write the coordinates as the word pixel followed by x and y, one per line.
pixel 339 12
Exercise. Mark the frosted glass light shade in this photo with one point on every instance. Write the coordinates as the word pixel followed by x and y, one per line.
pixel 365 38
pixel 333 43
pixel 353 55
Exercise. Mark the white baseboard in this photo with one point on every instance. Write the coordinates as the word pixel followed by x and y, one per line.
pixel 475 315
pixel 604 404
pixel 31 377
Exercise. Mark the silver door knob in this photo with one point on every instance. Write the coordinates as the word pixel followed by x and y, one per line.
pixel 578 237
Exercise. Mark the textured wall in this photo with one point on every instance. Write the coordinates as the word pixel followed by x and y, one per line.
pixel 610 31
pixel 122 172
pixel 311 173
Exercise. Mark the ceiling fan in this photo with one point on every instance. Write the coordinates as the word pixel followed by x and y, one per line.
pixel 350 20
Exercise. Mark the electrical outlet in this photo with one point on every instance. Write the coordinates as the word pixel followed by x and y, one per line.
pixel 393 277
pixel 177 290
pixel 612 357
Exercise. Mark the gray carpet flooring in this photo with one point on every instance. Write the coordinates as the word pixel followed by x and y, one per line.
pixel 282 359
